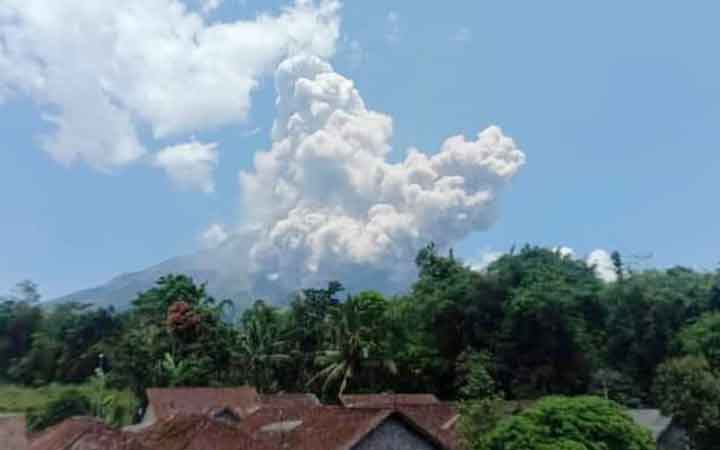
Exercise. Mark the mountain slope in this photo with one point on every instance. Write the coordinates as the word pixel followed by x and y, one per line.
pixel 225 275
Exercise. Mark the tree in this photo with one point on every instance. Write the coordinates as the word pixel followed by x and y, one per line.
pixel 689 391
pixel 568 423
pixel 173 326
pixel 66 344
pixel 702 338
pixel 646 312
pixel 25 291
pixel 618 265
pixel 553 326
pixel 20 317
pixel 308 311
pixel 482 407
pixel 356 341
pixel 261 345
pixel 449 309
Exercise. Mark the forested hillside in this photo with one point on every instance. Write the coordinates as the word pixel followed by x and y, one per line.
pixel 534 323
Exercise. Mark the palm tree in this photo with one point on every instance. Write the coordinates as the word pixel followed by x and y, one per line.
pixel 261 347
pixel 355 332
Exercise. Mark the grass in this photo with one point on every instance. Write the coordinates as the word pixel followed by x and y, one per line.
pixel 19 399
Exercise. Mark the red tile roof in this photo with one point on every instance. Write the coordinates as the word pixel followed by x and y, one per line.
pixel 386 400
pixel 196 432
pixel 84 433
pixel 167 402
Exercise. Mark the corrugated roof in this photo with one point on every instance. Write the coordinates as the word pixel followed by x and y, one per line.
pixel 12 433
pixel 289 400
pixel 323 427
pixel 439 419
pixel 386 400
pixel 167 402
pixel 196 432
pixel 84 433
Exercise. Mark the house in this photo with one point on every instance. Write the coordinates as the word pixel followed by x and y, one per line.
pixel 240 419
pixel 438 418
pixel 339 428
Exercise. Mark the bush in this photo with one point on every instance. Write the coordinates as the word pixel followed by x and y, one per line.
pixel 577 423
pixel 70 403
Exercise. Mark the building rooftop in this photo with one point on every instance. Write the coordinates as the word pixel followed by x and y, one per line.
pixel 386 400
pixel 167 402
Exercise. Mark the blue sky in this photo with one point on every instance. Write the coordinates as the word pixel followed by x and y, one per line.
pixel 615 104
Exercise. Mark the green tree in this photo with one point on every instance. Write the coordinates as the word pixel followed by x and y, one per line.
pixel 553 327
pixel 568 423
pixel 702 338
pixel 175 318
pixel 66 344
pixel 20 318
pixel 689 391
pixel 308 312
pixel 356 344
pixel 482 407
pixel 646 312
pixel 262 348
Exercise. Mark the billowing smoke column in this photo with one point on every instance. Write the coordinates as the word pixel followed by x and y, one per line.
pixel 327 205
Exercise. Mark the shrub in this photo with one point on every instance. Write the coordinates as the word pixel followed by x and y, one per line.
pixel 70 403
pixel 568 423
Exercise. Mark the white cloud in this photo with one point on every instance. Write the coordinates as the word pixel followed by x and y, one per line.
pixel 604 267
pixel 566 252
pixel 392 26
pixel 251 132
pixel 190 165
pixel 209 6
pixel 214 236
pixel 463 34
pixel 101 70
pixel 329 206
pixel 486 258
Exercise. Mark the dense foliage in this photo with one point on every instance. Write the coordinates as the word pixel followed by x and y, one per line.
pixel 69 404
pixel 562 423
pixel 534 323
pixel 689 391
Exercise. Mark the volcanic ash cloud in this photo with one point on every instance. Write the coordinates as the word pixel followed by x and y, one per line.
pixel 327 204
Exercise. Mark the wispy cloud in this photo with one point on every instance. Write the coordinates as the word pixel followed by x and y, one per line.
pixel 392 27
pixel 463 34
pixel 353 52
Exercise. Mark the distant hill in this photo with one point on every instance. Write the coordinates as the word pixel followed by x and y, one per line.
pixel 225 275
